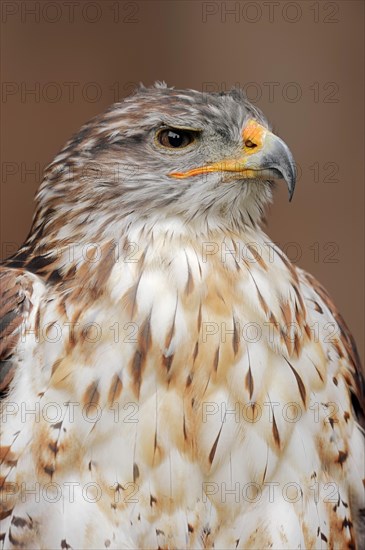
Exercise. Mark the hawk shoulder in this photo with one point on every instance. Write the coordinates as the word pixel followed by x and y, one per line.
pixel 342 342
pixel 20 293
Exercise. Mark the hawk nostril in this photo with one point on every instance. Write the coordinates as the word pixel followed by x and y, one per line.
pixel 250 144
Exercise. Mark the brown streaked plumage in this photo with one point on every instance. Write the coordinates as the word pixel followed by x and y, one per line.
pixel 170 379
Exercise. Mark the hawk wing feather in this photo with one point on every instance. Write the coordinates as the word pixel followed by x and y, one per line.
pixel 356 383
pixel 17 300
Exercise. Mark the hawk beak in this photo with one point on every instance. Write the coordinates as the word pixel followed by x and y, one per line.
pixel 264 156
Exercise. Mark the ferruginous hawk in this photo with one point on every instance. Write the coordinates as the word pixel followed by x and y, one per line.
pixel 170 379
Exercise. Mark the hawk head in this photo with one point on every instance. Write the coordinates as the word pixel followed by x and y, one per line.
pixel 200 158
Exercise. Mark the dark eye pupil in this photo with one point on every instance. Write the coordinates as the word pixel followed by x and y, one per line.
pixel 175 140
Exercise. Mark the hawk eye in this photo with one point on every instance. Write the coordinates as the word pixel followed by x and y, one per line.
pixel 174 138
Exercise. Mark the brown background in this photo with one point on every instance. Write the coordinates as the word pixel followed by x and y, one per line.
pixel 301 62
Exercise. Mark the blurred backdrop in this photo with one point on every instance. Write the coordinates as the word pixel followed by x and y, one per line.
pixel 301 62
